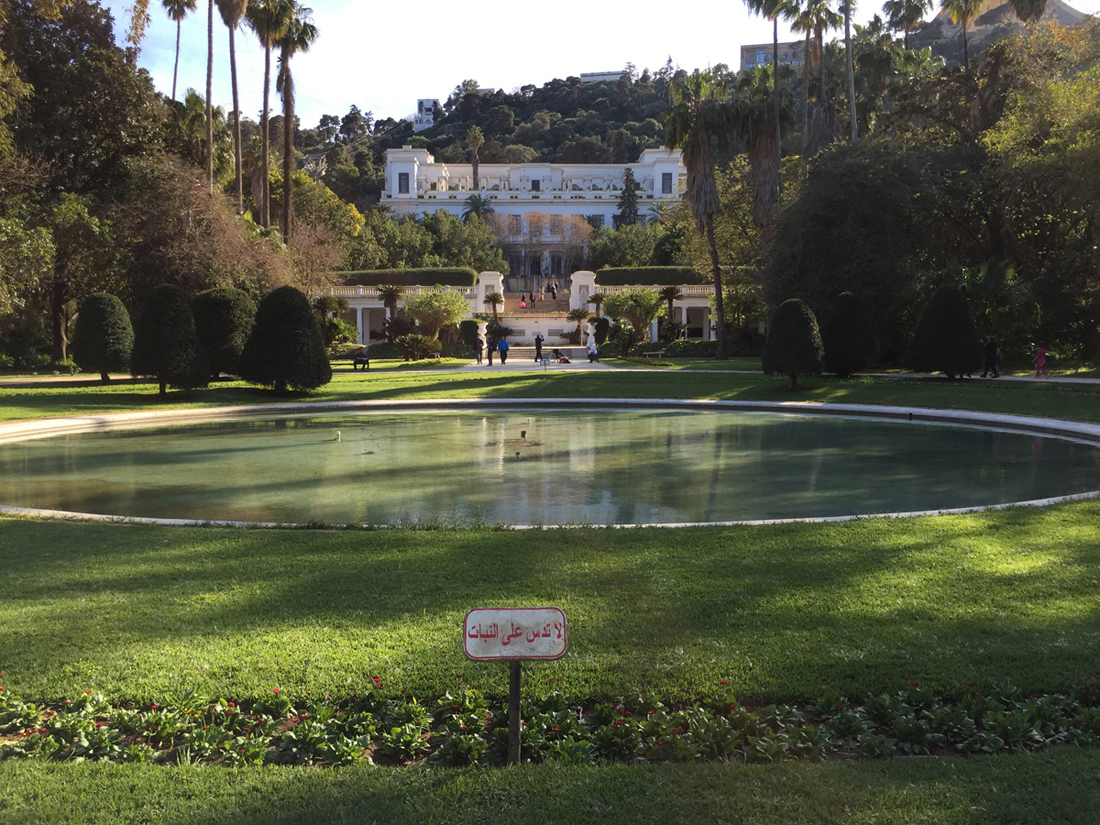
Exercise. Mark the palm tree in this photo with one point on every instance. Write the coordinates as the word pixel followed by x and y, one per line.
pixel 847 7
pixel 232 12
pixel 1028 10
pixel 963 12
pixel 578 317
pixel 479 205
pixel 773 10
pixel 670 294
pixel 494 300
pixel 210 94
pixel 698 122
pixel 597 299
pixel 904 15
pixel 814 19
pixel 475 138
pixel 390 295
pixel 298 36
pixel 267 20
pixel 177 10
pixel 753 107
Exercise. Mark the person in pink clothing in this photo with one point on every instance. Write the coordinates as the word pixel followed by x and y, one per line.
pixel 1041 363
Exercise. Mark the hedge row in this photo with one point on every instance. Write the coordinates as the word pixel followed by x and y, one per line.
pixel 649 276
pixel 446 276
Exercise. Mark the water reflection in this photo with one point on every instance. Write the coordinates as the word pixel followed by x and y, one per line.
pixel 550 467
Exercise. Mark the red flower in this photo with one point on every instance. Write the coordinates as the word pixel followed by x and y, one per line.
pixel 232 705
pixel 87 691
pixel 723 682
pixel 276 691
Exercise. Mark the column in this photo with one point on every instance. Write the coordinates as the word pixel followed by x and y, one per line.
pixel 652 331
pixel 364 335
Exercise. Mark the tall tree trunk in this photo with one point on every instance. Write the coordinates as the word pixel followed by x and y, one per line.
pixel 474 163
pixel 236 121
pixel 719 309
pixel 210 94
pixel 265 139
pixel 59 298
pixel 805 101
pixel 288 145
pixel 775 94
pixel 966 49
pixel 176 67
pixel 851 71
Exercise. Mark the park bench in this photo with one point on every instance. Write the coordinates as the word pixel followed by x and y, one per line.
pixel 657 353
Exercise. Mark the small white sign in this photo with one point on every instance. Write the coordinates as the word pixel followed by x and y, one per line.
pixel 515 633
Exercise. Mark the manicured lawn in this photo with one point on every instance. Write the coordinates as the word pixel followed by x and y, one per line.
pixel 145 613
pixel 1073 401
pixel 1055 786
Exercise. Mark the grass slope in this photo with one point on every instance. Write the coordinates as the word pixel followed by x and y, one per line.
pixel 143 612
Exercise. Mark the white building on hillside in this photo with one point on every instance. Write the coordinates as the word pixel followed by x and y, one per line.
pixel 417 185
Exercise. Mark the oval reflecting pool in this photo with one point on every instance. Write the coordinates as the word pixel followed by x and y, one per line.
pixel 539 467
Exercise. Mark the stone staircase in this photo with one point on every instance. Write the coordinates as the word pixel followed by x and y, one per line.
pixel 541 304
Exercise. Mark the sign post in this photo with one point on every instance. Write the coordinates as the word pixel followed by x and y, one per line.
pixel 512 635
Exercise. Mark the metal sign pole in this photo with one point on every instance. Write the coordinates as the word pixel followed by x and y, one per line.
pixel 514 721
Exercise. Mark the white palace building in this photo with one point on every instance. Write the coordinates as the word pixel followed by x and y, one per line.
pixel 417 185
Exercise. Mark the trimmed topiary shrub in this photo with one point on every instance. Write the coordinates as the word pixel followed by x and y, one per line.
pixel 793 346
pixel 223 320
pixel 104 338
pixel 286 349
pixel 166 346
pixel 467 331
pixel 444 276
pixel 846 336
pixel 945 340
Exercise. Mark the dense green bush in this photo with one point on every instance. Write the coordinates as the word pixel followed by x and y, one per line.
pixel 945 340
pixel 467 331
pixel 286 349
pixel 793 346
pixel 649 276
pixel 846 335
pixel 166 346
pixel 444 276
pixel 602 325
pixel 104 338
pixel 223 321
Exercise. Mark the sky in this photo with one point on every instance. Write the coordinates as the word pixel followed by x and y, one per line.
pixel 382 57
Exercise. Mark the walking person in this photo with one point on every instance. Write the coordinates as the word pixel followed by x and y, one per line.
pixel 990 356
pixel 1041 362
pixel 479 348
pixel 538 347
pixel 553 292
pixel 491 346
pixel 502 349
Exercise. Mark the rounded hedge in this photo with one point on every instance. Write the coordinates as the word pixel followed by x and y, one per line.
pixel 223 321
pixel 945 340
pixel 166 346
pixel 286 349
pixel 846 335
pixel 793 346
pixel 103 340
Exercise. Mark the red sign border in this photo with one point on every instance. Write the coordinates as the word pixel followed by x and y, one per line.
pixel 565 628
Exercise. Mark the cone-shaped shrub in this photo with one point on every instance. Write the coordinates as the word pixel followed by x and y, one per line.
pixel 223 320
pixel 793 346
pixel 166 347
pixel 846 336
pixel 104 339
pixel 286 349
pixel 945 340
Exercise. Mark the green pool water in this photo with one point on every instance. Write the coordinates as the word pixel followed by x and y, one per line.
pixel 570 467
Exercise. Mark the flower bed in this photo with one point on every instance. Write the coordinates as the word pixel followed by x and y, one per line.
pixel 462 727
